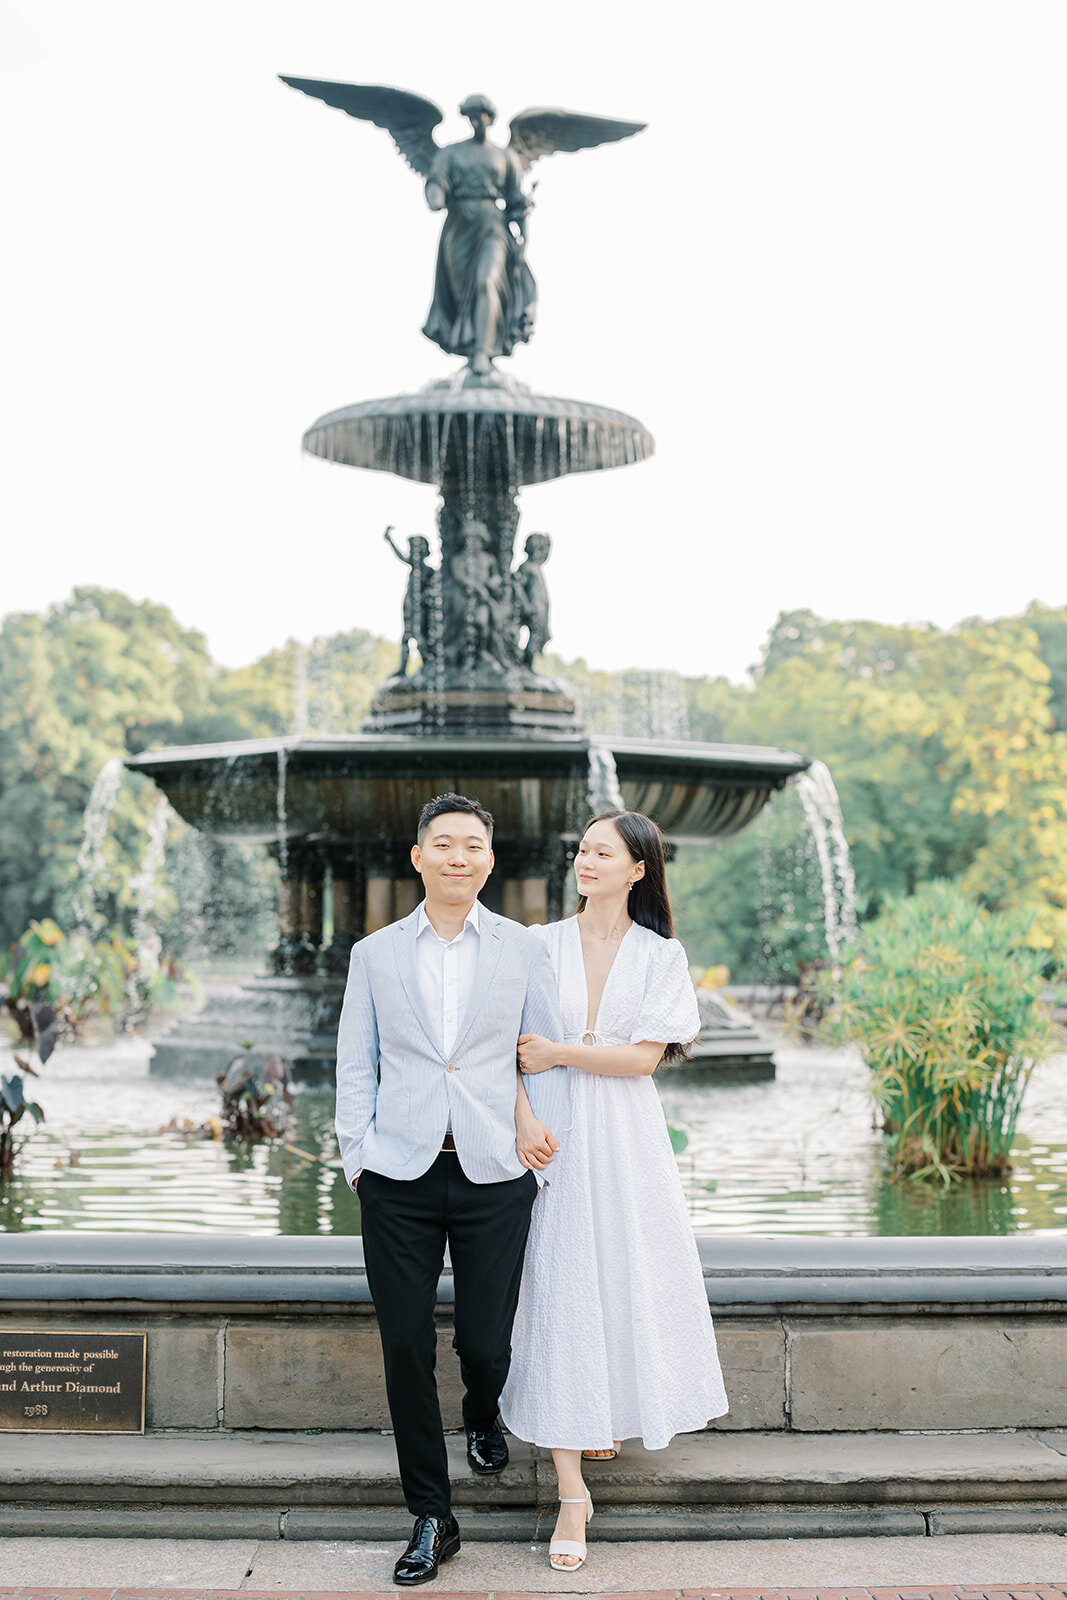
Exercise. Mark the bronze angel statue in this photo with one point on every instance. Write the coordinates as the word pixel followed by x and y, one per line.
pixel 484 292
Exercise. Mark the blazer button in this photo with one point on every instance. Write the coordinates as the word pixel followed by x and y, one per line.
pixel 450 1067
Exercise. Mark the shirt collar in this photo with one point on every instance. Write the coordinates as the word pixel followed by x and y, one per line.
pixel 423 922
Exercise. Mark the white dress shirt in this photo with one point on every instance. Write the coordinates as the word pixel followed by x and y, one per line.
pixel 446 969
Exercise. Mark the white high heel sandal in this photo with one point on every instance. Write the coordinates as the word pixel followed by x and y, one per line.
pixel 570 1547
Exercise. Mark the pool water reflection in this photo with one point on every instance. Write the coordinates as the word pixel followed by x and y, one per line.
pixel 799 1155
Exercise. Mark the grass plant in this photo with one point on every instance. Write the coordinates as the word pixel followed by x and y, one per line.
pixel 942 999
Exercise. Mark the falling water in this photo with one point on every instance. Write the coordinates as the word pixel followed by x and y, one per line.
pixel 91 865
pixel 299 720
pixel 604 790
pixel 822 808
pixel 282 816
pixel 145 884
pixel 667 710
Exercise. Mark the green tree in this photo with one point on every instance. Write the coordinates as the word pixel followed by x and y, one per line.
pixel 1010 763
pixel 1050 626
pixel 96 678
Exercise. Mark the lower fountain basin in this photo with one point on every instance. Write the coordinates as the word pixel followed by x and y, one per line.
pixel 369 789
pixel 341 815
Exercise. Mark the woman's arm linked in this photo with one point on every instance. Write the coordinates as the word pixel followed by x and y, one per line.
pixel 610 1061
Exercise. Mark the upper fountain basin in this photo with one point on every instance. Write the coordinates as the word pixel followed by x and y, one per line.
pixel 465 424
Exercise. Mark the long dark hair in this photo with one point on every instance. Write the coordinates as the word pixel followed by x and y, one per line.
pixel 648 902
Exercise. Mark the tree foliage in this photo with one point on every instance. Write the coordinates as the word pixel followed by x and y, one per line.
pixel 949 750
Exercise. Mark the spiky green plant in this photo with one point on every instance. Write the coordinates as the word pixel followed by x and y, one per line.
pixel 942 999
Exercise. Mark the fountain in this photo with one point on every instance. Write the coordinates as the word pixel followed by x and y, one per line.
pixel 466 709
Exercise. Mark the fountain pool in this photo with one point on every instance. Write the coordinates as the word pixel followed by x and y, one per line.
pixel 794 1156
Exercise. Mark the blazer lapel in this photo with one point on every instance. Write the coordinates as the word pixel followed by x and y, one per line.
pixel 490 944
pixel 404 945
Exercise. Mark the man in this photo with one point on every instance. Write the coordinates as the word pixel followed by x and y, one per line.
pixel 426 1084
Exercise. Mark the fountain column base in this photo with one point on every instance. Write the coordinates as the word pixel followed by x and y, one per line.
pixel 517 702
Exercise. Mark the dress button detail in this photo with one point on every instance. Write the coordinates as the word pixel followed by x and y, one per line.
pixel 450 1067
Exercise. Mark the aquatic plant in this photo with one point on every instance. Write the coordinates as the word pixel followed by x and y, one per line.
pixel 257 1097
pixel 38 1024
pixel 13 1107
pixel 942 999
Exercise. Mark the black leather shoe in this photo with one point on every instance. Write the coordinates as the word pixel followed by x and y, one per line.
pixel 434 1540
pixel 487 1449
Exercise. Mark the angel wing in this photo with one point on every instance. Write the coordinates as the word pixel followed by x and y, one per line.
pixel 543 129
pixel 407 118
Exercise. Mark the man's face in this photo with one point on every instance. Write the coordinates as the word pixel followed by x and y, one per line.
pixel 454 859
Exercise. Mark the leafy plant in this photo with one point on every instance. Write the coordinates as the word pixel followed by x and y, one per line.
pixel 943 1002
pixel 57 985
pixel 13 1107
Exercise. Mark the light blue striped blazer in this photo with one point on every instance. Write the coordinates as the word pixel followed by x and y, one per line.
pixel 396 1088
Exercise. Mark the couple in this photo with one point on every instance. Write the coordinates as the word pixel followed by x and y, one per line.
pixel 442 1140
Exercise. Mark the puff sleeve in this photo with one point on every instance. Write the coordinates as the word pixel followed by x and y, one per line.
pixel 668 1010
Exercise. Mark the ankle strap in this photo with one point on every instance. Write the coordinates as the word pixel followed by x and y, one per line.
pixel 579 1502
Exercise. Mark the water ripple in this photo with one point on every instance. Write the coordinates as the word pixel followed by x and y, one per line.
pixel 796 1156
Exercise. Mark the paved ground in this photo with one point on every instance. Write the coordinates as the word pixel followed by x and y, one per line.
pixel 1045 1593
pixel 1033 1566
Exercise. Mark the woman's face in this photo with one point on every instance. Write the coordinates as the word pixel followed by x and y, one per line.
pixel 603 865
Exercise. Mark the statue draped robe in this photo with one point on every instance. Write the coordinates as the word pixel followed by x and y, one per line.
pixel 478 253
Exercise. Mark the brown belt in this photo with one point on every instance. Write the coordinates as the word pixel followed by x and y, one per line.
pixel 448 1143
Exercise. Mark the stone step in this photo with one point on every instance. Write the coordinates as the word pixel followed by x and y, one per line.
pixel 332 1485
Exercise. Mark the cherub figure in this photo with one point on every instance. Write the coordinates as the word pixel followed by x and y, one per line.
pixel 478 603
pixel 531 597
pixel 418 598
pixel 484 293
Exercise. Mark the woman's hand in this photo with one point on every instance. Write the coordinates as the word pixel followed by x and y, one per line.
pixel 537 1054
pixel 534 1144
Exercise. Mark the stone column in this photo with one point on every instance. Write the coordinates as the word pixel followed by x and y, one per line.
pixel 513 899
pixel 407 892
pixel 534 899
pixel 284 952
pixel 312 883
pixel 311 871
pixel 561 894
pixel 348 911
pixel 379 902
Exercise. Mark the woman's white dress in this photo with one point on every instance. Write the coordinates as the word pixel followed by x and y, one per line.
pixel 613 1338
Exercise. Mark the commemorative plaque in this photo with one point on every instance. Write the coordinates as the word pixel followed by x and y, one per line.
pixel 71 1382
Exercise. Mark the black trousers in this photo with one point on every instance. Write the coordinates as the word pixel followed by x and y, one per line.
pixel 405 1227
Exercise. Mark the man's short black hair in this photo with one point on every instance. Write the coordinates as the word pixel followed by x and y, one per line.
pixel 442 804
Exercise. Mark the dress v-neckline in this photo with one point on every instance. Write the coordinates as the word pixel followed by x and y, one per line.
pixel 607 977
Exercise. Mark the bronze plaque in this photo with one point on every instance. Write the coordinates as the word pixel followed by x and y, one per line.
pixel 71 1382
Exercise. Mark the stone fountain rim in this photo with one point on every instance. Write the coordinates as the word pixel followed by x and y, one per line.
pixel 478 402
pixel 727 756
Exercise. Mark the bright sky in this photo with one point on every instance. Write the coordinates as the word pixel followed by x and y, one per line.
pixel 829 278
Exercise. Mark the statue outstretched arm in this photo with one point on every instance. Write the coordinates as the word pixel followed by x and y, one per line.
pixel 407 118
pixel 390 541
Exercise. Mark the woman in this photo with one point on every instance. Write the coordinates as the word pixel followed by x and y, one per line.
pixel 612 1339
pixel 484 293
